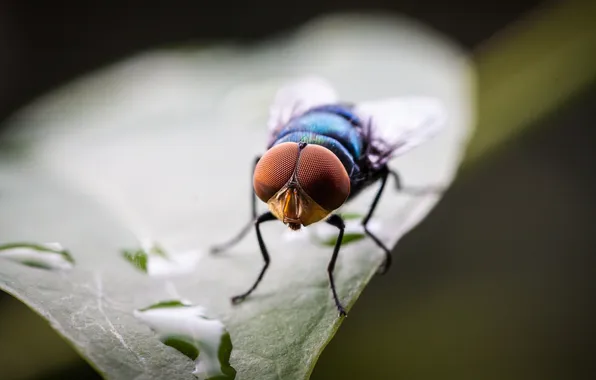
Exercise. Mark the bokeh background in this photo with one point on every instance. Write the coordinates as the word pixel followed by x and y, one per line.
pixel 497 283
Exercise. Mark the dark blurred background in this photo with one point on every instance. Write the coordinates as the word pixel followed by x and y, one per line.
pixel 42 46
pixel 497 283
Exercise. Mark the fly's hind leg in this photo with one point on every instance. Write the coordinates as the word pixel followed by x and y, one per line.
pixel 236 239
pixel 385 173
pixel 411 190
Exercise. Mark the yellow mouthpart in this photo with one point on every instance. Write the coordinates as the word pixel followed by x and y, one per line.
pixel 293 206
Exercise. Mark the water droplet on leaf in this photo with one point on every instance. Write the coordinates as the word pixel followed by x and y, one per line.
pixel 186 328
pixel 44 255
pixel 154 260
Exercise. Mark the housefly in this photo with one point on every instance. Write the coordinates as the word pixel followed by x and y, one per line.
pixel 321 153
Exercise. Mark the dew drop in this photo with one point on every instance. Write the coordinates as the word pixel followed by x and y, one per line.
pixel 44 255
pixel 156 261
pixel 186 328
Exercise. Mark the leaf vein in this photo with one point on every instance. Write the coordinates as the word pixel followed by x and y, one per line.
pixel 112 328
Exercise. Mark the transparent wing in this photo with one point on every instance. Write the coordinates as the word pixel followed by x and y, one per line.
pixel 296 97
pixel 396 125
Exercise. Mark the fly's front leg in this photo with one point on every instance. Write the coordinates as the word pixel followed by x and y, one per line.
pixel 263 218
pixel 236 239
pixel 337 221
pixel 387 261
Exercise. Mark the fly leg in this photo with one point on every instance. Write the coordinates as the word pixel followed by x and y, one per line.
pixel 413 190
pixel 387 261
pixel 236 239
pixel 385 173
pixel 337 221
pixel 263 218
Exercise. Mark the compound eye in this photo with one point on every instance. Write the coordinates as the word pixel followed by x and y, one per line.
pixel 275 169
pixel 323 177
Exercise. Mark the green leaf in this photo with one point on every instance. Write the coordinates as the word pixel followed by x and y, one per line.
pixel 351 215
pixel 141 257
pixel 137 257
pixel 347 239
pixel 166 304
pixel 187 329
pixel 48 256
pixel 138 169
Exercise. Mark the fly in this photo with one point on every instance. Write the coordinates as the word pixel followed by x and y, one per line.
pixel 322 153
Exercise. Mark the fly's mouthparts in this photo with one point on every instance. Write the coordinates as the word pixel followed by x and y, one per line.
pixel 294 226
pixel 290 220
pixel 292 206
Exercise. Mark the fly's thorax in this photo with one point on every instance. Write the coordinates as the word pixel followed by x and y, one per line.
pixel 330 123
pixel 333 126
pixel 301 183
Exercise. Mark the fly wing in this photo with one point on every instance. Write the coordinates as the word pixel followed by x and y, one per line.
pixel 396 125
pixel 297 97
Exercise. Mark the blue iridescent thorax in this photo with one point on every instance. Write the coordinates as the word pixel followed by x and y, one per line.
pixel 332 126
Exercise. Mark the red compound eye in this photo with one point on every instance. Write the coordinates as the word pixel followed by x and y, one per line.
pixel 323 177
pixel 275 169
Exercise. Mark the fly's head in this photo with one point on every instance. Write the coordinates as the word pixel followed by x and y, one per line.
pixel 301 183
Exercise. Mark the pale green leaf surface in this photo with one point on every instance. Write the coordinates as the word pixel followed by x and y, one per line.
pixel 159 148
